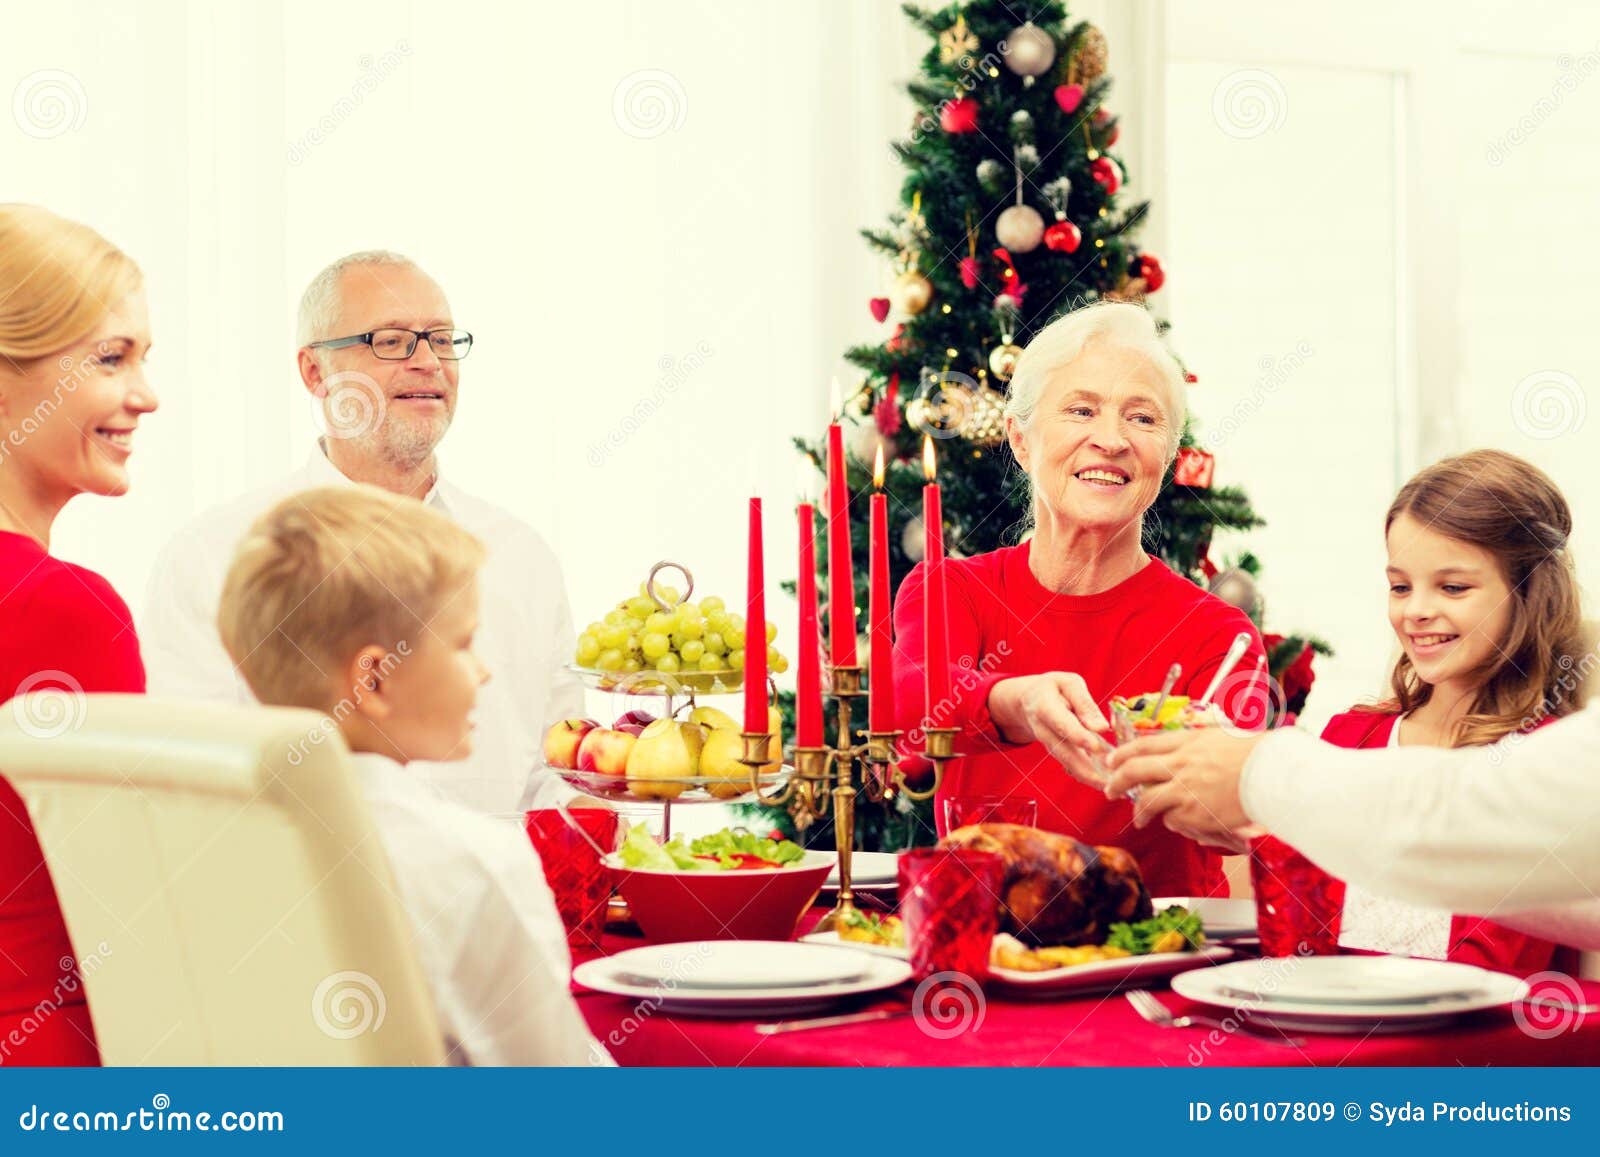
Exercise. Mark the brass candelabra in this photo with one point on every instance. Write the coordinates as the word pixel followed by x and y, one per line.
pixel 826 777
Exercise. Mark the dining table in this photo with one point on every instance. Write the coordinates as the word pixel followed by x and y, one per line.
pixel 1094 1029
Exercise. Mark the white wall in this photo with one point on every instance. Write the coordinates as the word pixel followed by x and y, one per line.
pixel 692 257
pixel 712 272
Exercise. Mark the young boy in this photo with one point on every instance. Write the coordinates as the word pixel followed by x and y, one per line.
pixel 361 604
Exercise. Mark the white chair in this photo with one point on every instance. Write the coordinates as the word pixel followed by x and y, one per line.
pixel 227 896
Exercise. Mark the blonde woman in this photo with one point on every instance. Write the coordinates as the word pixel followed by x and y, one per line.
pixel 74 332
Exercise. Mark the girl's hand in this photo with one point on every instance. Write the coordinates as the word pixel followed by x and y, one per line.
pixel 1054 709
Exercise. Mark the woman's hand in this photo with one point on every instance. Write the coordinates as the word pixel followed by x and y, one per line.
pixel 1054 709
pixel 1189 780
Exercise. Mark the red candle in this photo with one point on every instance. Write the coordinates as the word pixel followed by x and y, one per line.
pixel 808 689
pixel 880 706
pixel 933 620
pixel 841 572
pixel 755 630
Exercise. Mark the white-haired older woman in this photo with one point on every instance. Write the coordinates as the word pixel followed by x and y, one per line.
pixel 1043 634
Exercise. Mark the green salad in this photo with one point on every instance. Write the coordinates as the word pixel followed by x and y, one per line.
pixel 726 850
pixel 1174 929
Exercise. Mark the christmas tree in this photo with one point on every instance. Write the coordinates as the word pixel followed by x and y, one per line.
pixel 1013 213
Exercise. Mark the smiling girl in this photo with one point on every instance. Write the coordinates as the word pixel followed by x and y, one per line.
pixel 1485 606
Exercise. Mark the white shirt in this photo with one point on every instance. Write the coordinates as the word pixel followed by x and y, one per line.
pixel 1473 829
pixel 525 636
pixel 486 929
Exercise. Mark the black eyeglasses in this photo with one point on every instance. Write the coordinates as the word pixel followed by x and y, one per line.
pixel 396 345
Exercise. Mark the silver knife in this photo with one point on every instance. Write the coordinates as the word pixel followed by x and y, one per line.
pixel 830 1021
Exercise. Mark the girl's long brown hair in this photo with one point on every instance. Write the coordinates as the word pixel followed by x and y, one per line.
pixel 1512 509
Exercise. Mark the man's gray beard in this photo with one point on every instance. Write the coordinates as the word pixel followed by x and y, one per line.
pixel 402 445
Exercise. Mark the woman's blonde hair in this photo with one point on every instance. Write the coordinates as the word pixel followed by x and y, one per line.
pixel 329 571
pixel 1512 509
pixel 58 280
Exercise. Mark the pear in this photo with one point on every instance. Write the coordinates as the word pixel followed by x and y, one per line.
pixel 775 744
pixel 719 760
pixel 712 718
pixel 666 750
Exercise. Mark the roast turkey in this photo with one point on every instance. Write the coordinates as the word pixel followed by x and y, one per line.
pixel 1058 891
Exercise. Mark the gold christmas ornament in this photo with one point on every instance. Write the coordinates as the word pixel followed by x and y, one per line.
pixel 956 41
pixel 1003 360
pixel 986 423
pixel 911 293
pixel 1089 56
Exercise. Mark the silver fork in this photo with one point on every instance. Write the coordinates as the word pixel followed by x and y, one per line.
pixel 1146 1005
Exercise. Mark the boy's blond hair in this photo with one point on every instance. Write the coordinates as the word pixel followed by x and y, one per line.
pixel 327 572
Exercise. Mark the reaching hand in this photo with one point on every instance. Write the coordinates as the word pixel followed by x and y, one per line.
pixel 1188 779
pixel 1054 709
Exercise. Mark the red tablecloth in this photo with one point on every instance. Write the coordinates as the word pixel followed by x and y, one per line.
pixel 1089 1030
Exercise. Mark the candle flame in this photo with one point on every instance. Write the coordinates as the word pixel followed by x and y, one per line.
pixel 930 462
pixel 877 468
pixel 835 403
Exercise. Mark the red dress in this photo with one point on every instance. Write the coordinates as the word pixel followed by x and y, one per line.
pixel 63 627
pixel 1473 939
pixel 1003 623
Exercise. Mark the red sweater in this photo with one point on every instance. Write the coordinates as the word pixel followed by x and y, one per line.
pixel 64 628
pixel 1473 940
pixel 1003 623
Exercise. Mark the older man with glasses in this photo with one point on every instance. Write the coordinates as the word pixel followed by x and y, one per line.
pixel 380 350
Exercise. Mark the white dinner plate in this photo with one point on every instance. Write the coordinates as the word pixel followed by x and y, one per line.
pixel 735 964
pixel 1103 975
pixel 606 974
pixel 1220 987
pixel 1224 919
pixel 869 870
pixel 832 940
pixel 1357 980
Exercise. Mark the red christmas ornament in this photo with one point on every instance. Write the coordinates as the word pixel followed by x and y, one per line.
pixel 969 272
pixel 894 344
pixel 1063 237
pixel 1101 116
pixel 1010 284
pixel 1150 269
pixel 1194 467
pixel 1189 377
pixel 1106 174
pixel 887 412
pixel 1069 97
pixel 959 116
pixel 880 308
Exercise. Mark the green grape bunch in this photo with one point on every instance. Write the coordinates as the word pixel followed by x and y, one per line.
pixel 638 635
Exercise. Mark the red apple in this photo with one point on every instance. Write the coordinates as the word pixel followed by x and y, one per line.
pixel 562 741
pixel 634 729
pixel 605 750
pixel 639 719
